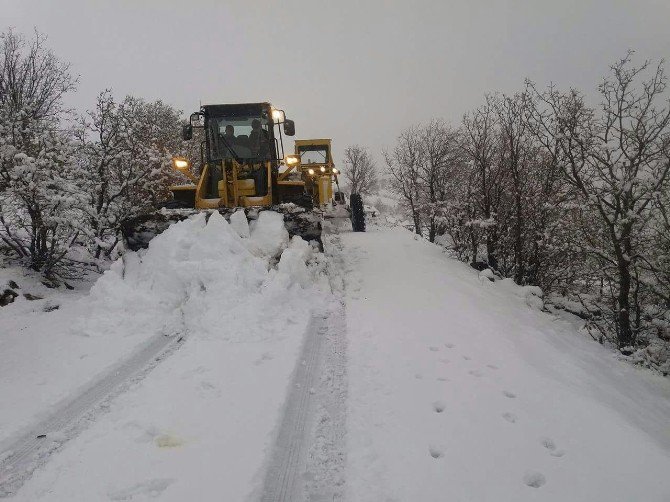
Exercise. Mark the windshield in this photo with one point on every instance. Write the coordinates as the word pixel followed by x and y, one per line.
pixel 313 154
pixel 247 136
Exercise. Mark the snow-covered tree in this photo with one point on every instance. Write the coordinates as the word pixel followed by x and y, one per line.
pixel 125 151
pixel 617 157
pixel 38 205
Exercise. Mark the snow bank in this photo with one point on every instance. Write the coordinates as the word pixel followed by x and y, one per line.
pixel 150 291
pixel 532 295
pixel 193 270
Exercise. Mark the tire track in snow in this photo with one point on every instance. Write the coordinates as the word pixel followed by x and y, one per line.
pixel 288 454
pixel 307 459
pixel 33 448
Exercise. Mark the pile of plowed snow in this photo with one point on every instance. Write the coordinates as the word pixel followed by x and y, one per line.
pixel 199 270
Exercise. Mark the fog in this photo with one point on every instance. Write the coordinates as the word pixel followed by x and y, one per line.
pixel 358 72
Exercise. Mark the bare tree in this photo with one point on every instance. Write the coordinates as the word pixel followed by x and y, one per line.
pixel 360 171
pixel 512 113
pixel 481 143
pixel 404 164
pixel 440 156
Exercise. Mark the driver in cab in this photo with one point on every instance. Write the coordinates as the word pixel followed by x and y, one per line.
pixel 229 135
pixel 259 140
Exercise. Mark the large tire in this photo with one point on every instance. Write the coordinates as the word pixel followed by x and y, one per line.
pixel 357 214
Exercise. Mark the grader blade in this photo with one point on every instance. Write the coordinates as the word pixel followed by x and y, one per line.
pixel 138 232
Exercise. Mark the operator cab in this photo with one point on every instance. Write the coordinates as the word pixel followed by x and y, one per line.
pixel 245 131
pixel 314 154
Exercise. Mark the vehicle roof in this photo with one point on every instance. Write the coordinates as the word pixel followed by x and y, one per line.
pixel 321 141
pixel 235 108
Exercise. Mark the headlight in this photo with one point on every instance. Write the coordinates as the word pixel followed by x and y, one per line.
pixel 291 160
pixel 180 163
pixel 277 115
pixel 323 169
pixel 335 171
pixel 310 171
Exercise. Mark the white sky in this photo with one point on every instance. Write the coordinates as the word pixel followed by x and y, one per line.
pixel 356 71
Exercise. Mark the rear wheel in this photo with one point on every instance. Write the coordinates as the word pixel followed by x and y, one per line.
pixel 357 214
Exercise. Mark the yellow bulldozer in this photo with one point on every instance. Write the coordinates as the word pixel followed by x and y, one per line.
pixel 242 165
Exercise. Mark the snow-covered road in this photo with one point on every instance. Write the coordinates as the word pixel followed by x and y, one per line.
pixel 380 371
pixel 459 391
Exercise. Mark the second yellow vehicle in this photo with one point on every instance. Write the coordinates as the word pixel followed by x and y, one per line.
pixel 315 169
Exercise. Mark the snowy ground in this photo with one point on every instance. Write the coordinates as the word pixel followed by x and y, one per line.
pixel 41 359
pixel 201 423
pixel 460 390
pixel 221 365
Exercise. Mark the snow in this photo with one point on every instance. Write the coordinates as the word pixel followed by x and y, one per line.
pixel 268 234
pixel 238 220
pixel 432 381
pixel 204 417
pixel 459 390
pixel 292 263
pixel 42 360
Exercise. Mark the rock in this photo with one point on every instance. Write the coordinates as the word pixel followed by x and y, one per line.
pixel 50 307
pixel 30 297
pixel 7 296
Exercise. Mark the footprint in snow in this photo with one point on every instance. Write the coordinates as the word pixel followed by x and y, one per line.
pixel 208 389
pixel 444 360
pixel 267 356
pixel 442 379
pixel 510 417
pixel 449 345
pixel 436 451
pixel 439 406
pixel 534 479
pixel 432 348
pixel 467 358
pixel 492 366
pixel 549 444
pixel 476 373
pixel 509 394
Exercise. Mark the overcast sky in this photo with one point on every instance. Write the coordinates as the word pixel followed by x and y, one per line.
pixel 357 71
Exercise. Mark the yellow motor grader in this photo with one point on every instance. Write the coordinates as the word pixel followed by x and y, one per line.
pixel 317 169
pixel 242 154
